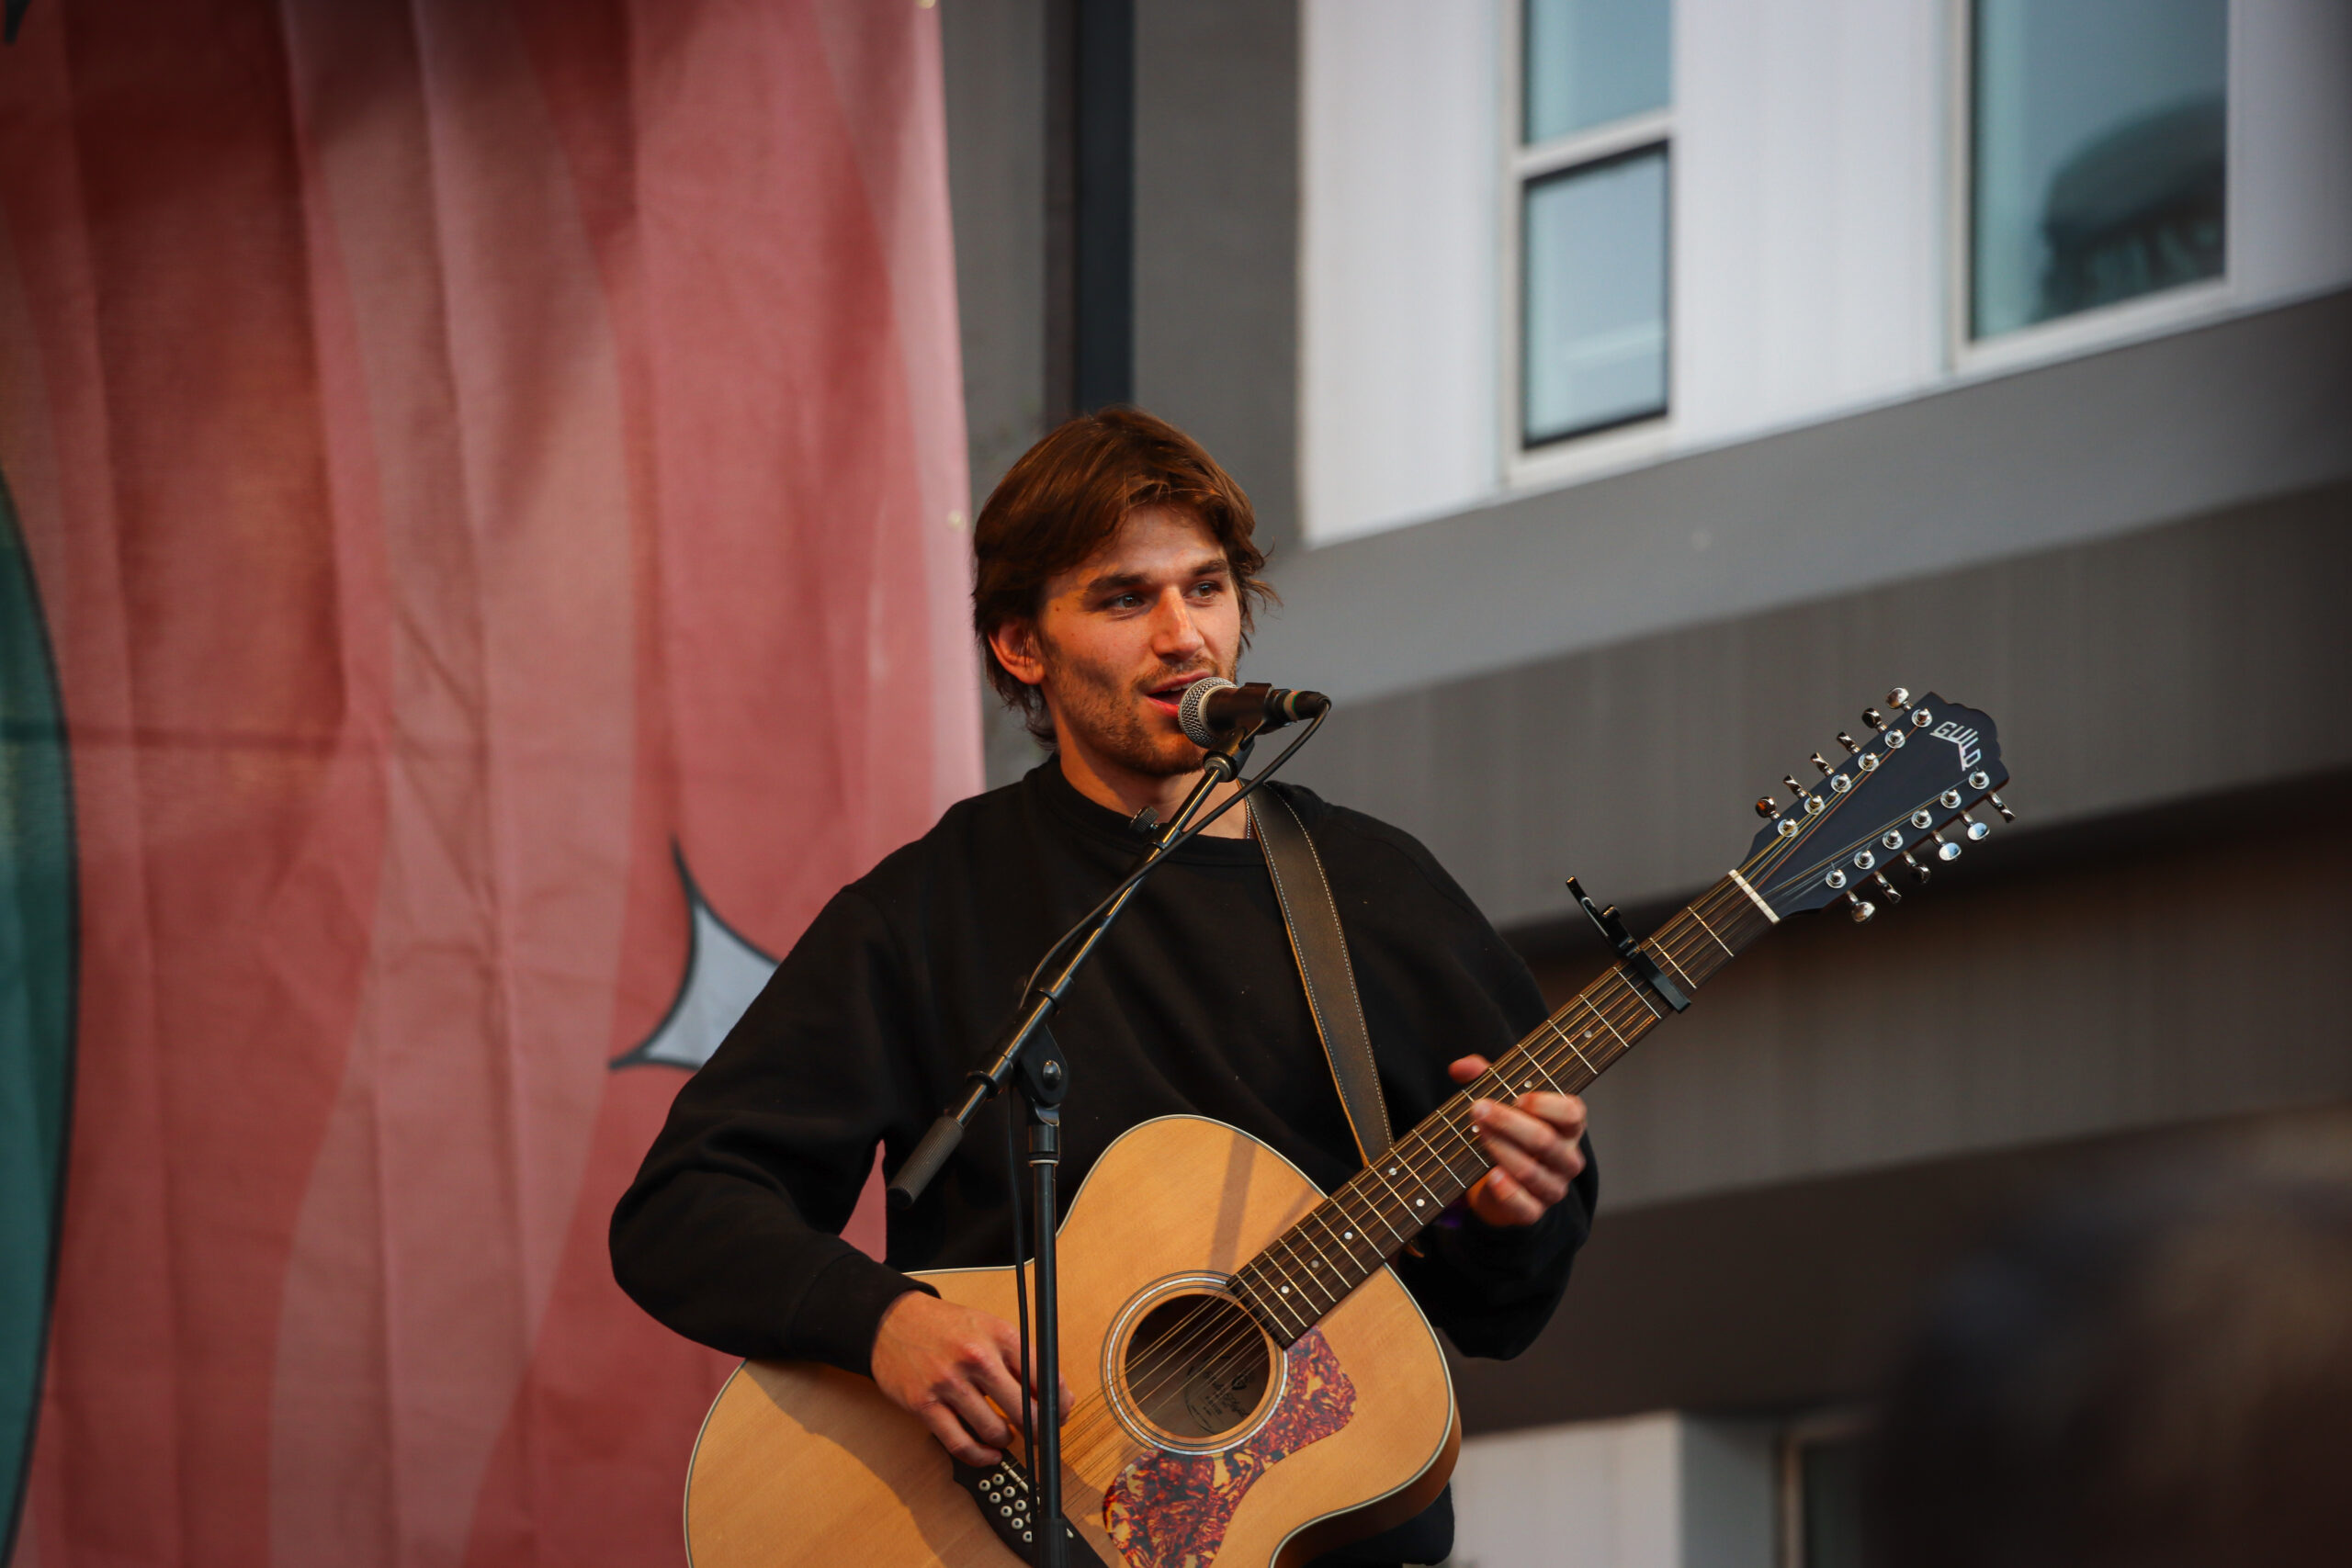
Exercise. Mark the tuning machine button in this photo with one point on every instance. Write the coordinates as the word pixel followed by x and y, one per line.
pixel 1874 718
pixel 1794 788
pixel 1860 909
pixel 1848 741
pixel 1919 874
pixel 1977 832
pixel 1767 807
pixel 1886 889
pixel 1945 849
pixel 2006 815
pixel 1818 761
pixel 1898 699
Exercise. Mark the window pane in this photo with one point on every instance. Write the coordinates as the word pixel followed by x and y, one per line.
pixel 1589 62
pixel 1594 340
pixel 2098 154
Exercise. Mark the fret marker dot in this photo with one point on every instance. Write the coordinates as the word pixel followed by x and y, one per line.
pixel 1392 1171
pixel 1347 1236
pixel 1285 1292
pixel 1420 1203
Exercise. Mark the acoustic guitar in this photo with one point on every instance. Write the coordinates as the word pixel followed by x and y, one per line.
pixel 1251 1384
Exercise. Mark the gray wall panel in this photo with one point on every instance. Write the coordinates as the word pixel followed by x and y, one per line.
pixel 2200 967
pixel 2257 406
pixel 2176 661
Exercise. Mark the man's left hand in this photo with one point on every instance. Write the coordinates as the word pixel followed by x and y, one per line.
pixel 1534 1142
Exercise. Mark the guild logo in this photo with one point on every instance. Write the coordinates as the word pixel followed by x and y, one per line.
pixel 1965 737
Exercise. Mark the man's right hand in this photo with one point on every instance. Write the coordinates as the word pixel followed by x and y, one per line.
pixel 957 1369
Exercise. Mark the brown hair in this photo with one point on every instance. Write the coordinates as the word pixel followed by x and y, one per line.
pixel 1065 499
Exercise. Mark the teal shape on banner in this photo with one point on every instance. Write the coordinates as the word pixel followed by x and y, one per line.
pixel 36 975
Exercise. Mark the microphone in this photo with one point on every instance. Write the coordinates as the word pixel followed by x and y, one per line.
pixel 1212 708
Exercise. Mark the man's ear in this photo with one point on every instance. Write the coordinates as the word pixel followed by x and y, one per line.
pixel 1016 647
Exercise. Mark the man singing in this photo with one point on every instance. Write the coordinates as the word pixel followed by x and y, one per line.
pixel 1115 567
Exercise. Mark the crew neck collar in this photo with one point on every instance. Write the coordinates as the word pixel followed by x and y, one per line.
pixel 1105 822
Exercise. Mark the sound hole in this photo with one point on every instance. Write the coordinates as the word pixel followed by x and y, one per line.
pixel 1196 1366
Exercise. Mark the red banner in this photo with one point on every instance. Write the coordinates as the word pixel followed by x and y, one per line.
pixel 492 472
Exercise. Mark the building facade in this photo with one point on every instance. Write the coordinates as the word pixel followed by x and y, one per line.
pixel 1631 391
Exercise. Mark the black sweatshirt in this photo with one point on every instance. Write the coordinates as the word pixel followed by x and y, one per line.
pixel 729 1233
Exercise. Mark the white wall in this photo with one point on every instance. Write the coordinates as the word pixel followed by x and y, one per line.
pixel 1661 1491
pixel 1813 232
pixel 1398 259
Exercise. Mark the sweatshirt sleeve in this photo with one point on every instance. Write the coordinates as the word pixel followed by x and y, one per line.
pixel 730 1233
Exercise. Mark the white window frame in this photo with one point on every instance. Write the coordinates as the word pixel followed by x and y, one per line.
pixel 1616 446
pixel 2103 326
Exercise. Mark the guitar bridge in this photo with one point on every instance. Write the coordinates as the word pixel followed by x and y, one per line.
pixel 1002 1496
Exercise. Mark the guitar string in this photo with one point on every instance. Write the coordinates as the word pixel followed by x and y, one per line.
pixel 1177 1353
pixel 1675 942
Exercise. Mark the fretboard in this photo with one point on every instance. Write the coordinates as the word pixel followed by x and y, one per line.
pixel 1344 1240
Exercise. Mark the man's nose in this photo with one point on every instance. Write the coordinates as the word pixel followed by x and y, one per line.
pixel 1174 632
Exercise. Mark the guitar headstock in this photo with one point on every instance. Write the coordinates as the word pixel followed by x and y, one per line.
pixel 1908 797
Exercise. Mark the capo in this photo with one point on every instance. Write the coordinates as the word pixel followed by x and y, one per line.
pixel 1613 931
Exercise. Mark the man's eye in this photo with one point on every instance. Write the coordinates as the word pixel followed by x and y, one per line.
pixel 1208 590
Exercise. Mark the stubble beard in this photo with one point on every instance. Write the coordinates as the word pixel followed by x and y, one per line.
pixel 1109 716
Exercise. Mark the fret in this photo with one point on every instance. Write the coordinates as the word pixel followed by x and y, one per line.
pixel 1553 1024
pixel 1711 932
pixel 1641 995
pixel 1623 1044
pixel 1537 1063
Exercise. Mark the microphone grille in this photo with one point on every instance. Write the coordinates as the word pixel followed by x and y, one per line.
pixel 1189 715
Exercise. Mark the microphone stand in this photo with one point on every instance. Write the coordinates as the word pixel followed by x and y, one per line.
pixel 1024 1056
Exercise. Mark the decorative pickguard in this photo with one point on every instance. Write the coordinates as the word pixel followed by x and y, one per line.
pixel 1170 1510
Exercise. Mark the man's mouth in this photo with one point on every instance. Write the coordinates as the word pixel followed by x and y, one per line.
pixel 1168 694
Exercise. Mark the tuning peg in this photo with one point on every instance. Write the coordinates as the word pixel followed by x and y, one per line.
pixel 1861 908
pixel 2006 815
pixel 1874 718
pixel 1977 832
pixel 1898 699
pixel 1848 741
pixel 1919 874
pixel 1817 762
pixel 1945 848
pixel 1767 807
pixel 1886 889
pixel 1794 788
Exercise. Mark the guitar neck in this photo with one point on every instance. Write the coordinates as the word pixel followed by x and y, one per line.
pixel 1344 1240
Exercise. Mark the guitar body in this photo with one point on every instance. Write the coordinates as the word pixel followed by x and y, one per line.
pixel 1193 1442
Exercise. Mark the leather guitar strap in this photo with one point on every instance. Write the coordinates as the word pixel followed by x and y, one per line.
pixel 1312 917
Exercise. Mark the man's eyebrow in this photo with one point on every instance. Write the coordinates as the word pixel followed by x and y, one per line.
pixel 1205 567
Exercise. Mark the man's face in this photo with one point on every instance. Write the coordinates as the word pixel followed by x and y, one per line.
pixel 1121 635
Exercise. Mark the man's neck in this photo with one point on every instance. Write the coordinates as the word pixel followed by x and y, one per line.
pixel 1127 792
